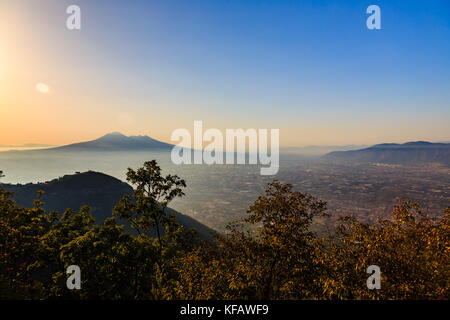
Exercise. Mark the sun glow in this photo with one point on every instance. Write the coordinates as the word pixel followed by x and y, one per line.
pixel 42 88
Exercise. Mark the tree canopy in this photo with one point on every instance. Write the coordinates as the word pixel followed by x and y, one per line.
pixel 271 254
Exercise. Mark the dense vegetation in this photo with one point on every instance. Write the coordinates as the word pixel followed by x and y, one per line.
pixel 99 191
pixel 272 254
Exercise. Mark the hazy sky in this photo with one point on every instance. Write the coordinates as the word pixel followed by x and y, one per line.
pixel 310 68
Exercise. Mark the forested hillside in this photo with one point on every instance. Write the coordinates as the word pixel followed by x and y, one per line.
pixel 272 254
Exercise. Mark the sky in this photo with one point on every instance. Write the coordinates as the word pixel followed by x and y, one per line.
pixel 309 68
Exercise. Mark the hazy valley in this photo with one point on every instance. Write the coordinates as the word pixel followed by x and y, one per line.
pixel 218 194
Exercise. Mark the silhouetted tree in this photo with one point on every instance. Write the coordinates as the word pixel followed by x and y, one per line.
pixel 146 213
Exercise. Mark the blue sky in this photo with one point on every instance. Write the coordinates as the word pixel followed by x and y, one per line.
pixel 310 68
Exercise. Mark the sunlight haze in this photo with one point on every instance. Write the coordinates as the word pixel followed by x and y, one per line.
pixel 158 66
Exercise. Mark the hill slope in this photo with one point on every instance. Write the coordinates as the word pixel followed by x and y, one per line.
pixel 97 190
pixel 407 153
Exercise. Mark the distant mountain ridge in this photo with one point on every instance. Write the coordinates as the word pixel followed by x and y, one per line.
pixel 314 150
pixel 393 153
pixel 27 145
pixel 99 191
pixel 116 141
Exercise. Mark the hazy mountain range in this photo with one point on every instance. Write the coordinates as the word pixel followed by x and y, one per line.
pixel 406 153
pixel 319 150
pixel 27 145
pixel 116 142
pixel 393 153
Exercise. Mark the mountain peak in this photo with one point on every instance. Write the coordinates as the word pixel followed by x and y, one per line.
pixel 418 143
pixel 116 141
pixel 114 134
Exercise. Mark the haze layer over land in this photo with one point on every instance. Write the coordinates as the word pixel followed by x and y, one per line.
pixel 218 194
